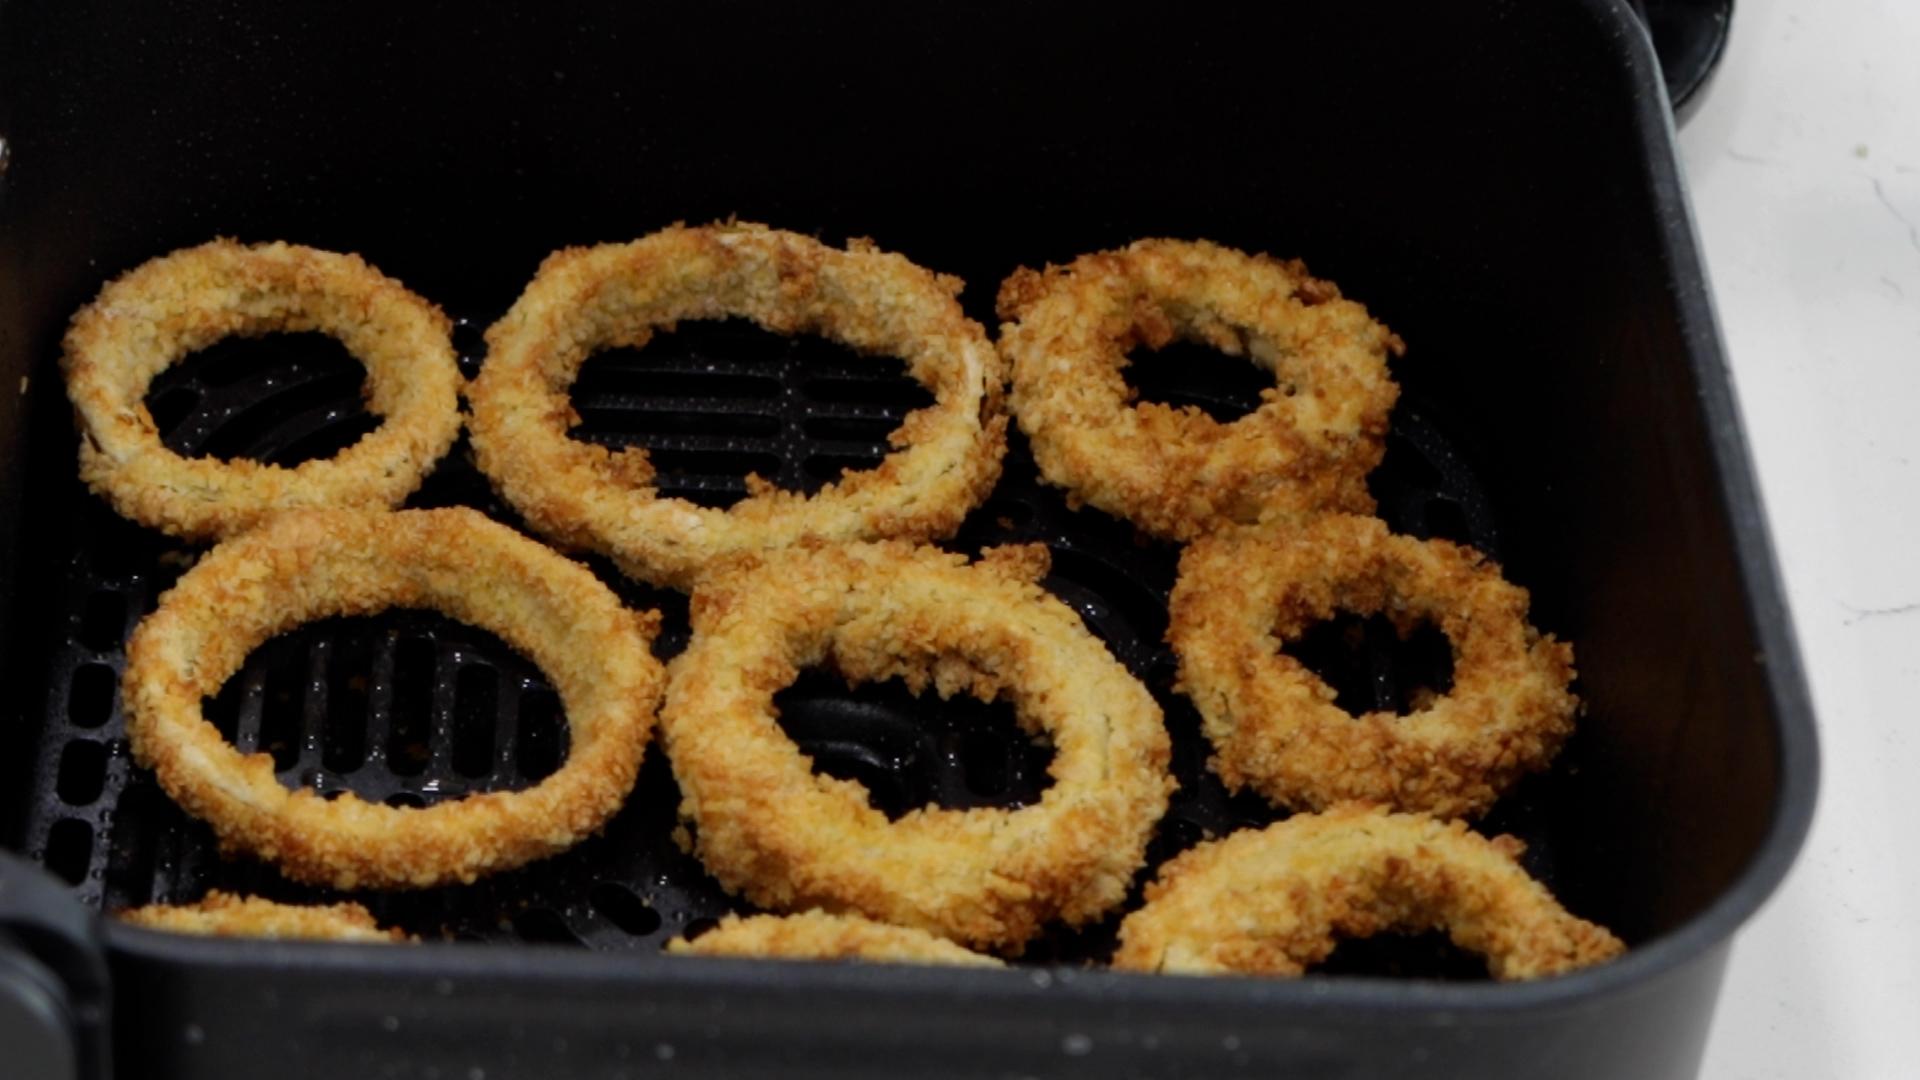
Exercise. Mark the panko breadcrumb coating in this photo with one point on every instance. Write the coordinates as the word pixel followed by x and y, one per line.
pixel 1244 593
pixel 767 826
pixel 946 457
pixel 150 318
pixel 1276 901
pixel 307 565
pixel 1176 472
pixel 817 935
pixel 222 914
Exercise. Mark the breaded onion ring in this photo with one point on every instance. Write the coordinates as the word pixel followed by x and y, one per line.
pixel 226 915
pixel 816 935
pixel 1176 472
pixel 1244 593
pixel 1274 901
pixel 768 827
pixel 148 319
pixel 314 564
pixel 591 497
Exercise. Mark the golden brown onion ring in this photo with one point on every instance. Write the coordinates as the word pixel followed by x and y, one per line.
pixel 150 318
pixel 222 914
pixel 768 827
pixel 1275 901
pixel 1176 472
pixel 816 935
pixel 308 565
pixel 1244 593
pixel 947 455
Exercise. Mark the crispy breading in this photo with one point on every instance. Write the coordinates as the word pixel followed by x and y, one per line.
pixel 768 827
pixel 946 456
pixel 1244 593
pixel 222 914
pixel 817 935
pixel 1176 472
pixel 1275 901
pixel 307 565
pixel 148 319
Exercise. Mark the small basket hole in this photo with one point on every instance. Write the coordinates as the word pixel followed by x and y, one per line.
pixel 83 772
pixel 103 621
pixel 540 926
pixel 623 909
pixel 90 696
pixel 69 849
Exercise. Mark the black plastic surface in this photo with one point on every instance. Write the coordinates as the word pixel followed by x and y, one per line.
pixel 1494 180
pixel 411 708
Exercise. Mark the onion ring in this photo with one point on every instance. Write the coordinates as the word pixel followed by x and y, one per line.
pixel 816 935
pixel 222 914
pixel 1273 901
pixel 766 826
pixel 587 496
pixel 1243 593
pixel 1176 472
pixel 148 319
pixel 313 564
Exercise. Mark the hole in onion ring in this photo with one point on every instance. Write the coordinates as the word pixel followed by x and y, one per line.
pixel 476 702
pixel 984 763
pixel 703 402
pixel 410 720
pixel 914 750
pixel 1371 668
pixel 280 709
pixel 616 383
pixel 1430 955
pixel 170 406
pixel 343 740
pixel 887 386
pixel 1184 373
pixel 540 740
pixel 824 469
pixel 356 703
pixel 280 398
pixel 871 429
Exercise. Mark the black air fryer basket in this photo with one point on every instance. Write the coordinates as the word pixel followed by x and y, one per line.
pixel 1496 181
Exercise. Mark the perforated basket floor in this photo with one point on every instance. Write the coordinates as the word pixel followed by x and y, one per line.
pixel 411 708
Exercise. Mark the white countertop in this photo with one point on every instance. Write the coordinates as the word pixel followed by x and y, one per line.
pixel 1804 164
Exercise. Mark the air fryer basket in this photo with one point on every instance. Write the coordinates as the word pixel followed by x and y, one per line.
pixel 1495 184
